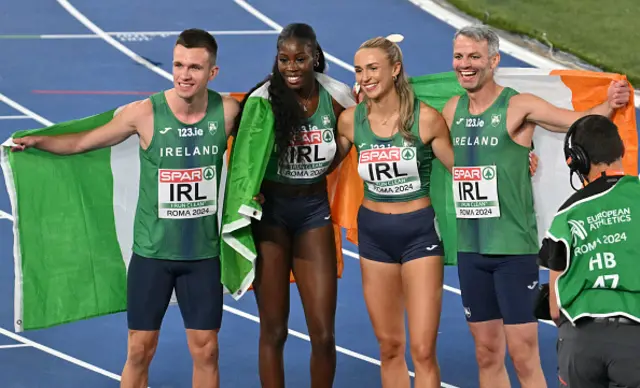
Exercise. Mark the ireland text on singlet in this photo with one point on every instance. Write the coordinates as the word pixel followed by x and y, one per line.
pixel 311 151
pixel 179 180
pixel 492 190
pixel 393 169
pixel 602 233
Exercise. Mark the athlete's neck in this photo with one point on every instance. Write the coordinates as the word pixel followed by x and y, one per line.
pixel 480 100
pixel 306 91
pixel 596 170
pixel 188 110
pixel 386 105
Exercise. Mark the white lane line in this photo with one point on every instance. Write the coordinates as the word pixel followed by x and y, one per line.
pixel 24 110
pixel 53 352
pixel 109 39
pixel 14 117
pixel 268 21
pixel 14 346
pixel 162 34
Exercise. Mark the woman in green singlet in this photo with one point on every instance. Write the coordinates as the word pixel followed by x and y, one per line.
pixel 397 137
pixel 296 232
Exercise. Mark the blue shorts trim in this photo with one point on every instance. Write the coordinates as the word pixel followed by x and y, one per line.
pixel 398 238
pixel 498 287
pixel 150 283
pixel 296 214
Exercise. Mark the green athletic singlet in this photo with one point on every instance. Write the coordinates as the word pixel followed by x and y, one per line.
pixel 492 189
pixel 312 150
pixel 179 181
pixel 393 169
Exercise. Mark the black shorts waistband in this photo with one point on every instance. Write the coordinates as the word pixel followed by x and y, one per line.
pixel 283 189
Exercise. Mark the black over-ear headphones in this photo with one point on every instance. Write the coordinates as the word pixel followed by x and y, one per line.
pixel 577 159
pixel 575 156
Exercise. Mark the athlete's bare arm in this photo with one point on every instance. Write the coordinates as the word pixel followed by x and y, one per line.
pixel 344 138
pixel 530 108
pixel 434 130
pixel 231 108
pixel 124 124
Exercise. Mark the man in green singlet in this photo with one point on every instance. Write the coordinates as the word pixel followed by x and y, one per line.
pixel 183 136
pixel 492 129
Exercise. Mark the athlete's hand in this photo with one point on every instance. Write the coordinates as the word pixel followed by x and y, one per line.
pixel 259 198
pixel 618 94
pixel 23 142
pixel 533 163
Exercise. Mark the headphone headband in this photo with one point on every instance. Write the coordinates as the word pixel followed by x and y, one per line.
pixel 575 156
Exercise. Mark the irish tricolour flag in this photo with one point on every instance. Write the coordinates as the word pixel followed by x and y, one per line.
pixel 74 214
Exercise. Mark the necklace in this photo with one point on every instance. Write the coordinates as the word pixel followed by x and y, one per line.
pixel 306 100
pixel 384 122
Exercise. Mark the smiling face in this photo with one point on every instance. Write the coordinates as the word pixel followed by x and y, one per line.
pixel 374 72
pixel 295 63
pixel 472 62
pixel 192 71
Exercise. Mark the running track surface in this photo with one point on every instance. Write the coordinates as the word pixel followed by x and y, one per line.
pixel 50 49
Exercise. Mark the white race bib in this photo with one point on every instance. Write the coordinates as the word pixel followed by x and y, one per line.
pixel 389 171
pixel 475 192
pixel 188 193
pixel 310 155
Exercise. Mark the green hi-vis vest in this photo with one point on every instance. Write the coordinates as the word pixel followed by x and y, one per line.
pixel 311 151
pixel 602 236
pixel 179 181
pixel 492 190
pixel 393 169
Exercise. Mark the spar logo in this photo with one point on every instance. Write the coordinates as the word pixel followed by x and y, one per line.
pixel 306 146
pixel 473 182
pixel 380 155
pixel 208 173
pixel 184 185
pixel 474 173
pixel 327 136
pixel 181 176
pixel 386 163
pixel 307 138
pixel 488 173
pixel 408 154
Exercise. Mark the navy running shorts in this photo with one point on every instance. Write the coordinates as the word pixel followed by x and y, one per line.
pixel 398 238
pixel 296 213
pixel 498 287
pixel 150 284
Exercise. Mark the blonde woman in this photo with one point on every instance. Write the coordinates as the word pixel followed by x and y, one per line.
pixel 397 137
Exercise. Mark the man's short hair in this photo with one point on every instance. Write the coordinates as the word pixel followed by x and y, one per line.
pixel 480 33
pixel 197 38
pixel 600 139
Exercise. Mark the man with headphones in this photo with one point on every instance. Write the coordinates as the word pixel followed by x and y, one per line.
pixel 592 250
